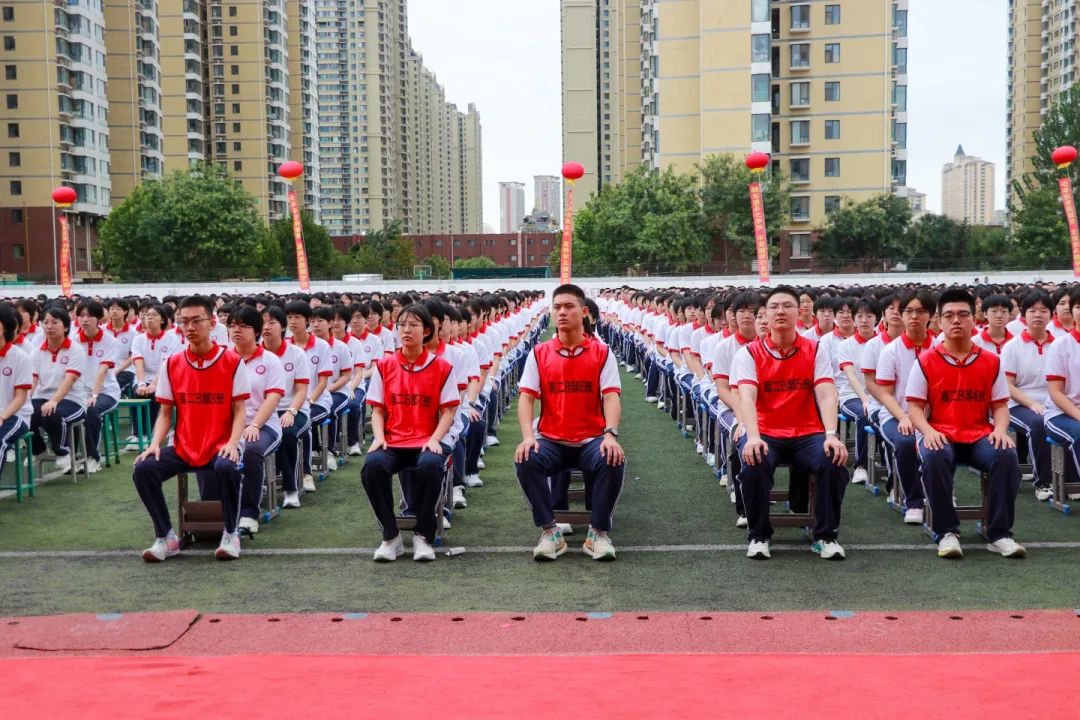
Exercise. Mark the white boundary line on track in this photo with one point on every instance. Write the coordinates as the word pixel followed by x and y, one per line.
pixel 926 547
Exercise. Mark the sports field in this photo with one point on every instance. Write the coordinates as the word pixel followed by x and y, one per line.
pixel 73 548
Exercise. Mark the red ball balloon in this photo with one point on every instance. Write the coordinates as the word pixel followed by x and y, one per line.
pixel 757 160
pixel 572 170
pixel 64 195
pixel 290 170
pixel 1064 155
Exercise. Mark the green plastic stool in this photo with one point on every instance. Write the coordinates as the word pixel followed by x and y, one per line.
pixel 140 410
pixel 110 435
pixel 23 452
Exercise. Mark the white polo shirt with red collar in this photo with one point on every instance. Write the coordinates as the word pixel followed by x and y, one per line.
pixel 154 350
pixel 894 367
pixel 297 371
pixel 125 336
pixel 1063 364
pixel 982 339
pixel 266 376
pixel 1024 360
pixel 320 364
pixel 102 350
pixel 15 374
pixel 341 360
pixel 849 353
pixel 50 368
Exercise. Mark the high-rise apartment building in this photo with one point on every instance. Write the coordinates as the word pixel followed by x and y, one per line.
pixel 392 147
pixel 967 189
pixel 511 206
pixel 1043 58
pixel 304 101
pixel 547 195
pixel 822 86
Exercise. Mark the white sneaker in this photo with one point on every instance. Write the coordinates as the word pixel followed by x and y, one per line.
pixel 742 522
pixel 860 476
pixel 390 550
pixel 491 441
pixel 1027 477
pixel 565 528
pixel 229 549
pixel 249 524
pixel 473 481
pixel 331 462
pixel 422 551
pixel 63 463
pixel 1007 547
pixel 710 459
pixel 698 447
pixel 459 497
pixel 731 495
pixel 355 449
pixel 828 549
pixel 637 375
pixel 480 464
pixel 660 406
pixel 1043 492
pixel 292 500
pixel 598 546
pixel 913 516
pixel 9 456
pixel 161 549
pixel 724 481
pixel 93 466
pixel 309 483
pixel 551 545
pixel 949 547
pixel 132 444
pixel 758 550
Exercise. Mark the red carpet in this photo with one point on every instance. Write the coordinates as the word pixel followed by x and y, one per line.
pixel 626 686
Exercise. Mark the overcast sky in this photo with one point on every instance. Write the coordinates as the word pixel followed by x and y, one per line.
pixel 503 55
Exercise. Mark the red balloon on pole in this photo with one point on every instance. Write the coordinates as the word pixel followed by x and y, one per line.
pixel 64 196
pixel 573 170
pixel 757 160
pixel 1063 156
pixel 290 170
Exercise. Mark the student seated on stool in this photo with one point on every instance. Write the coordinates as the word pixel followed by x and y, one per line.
pixel 952 390
pixel 103 353
pixel 293 408
pixel 16 380
pixel 59 396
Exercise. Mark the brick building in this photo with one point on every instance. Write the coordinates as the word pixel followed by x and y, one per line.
pixel 506 249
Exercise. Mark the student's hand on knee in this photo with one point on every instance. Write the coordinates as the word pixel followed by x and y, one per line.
pixel 153 451
pixel 935 441
pixel 377 444
pixel 287 420
pixel 521 454
pixel 906 427
pixel 1001 440
pixel 250 434
pixel 230 452
pixel 48 409
pixel 433 446
pixel 612 451
pixel 836 450
pixel 754 451
pixel 1037 408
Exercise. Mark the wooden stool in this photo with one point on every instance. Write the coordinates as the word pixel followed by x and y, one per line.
pixel 790 518
pixel 576 494
pixel 24 453
pixel 198 518
pixel 978 512
pixel 408 522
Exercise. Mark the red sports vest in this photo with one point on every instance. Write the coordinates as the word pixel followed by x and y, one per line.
pixel 959 396
pixel 786 405
pixel 412 400
pixel 571 404
pixel 203 398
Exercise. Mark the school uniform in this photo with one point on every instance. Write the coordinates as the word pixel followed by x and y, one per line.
pixel 15 374
pixel 125 336
pixel 361 358
pixel 153 351
pixel 570 384
pixel 894 367
pixel 849 353
pixel 320 364
pixel 341 363
pixel 1024 360
pixel 103 350
pixel 959 396
pixel 982 339
pixel 202 388
pixel 296 372
pixel 1063 364
pixel 789 422
pixel 412 396
pixel 50 369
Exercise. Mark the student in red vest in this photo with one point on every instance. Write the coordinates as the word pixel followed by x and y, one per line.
pixel 413 396
pixel 576 379
pixel 208 385
pixel 788 407
pixel 951 392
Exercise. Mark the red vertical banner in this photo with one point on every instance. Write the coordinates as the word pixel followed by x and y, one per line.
pixel 65 256
pixel 298 236
pixel 761 239
pixel 1069 203
pixel 566 256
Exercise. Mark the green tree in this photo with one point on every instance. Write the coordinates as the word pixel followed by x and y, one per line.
pixel 725 203
pixel 1060 126
pixel 990 246
pixel 385 252
pixel 440 266
pixel 195 224
pixel 872 232
pixel 324 260
pixel 934 238
pixel 474 263
pixel 1040 235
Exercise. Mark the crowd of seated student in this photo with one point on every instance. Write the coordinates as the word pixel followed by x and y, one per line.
pixel 1013 352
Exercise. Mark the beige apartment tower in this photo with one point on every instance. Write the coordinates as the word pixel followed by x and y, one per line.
pixel 821 86
pixel 967 189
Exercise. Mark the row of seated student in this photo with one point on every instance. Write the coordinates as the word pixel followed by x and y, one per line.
pixel 940 374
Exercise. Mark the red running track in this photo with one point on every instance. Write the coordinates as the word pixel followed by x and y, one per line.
pixel 956 687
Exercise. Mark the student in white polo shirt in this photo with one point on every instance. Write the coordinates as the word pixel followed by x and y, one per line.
pixel 103 353
pixel 1062 416
pixel 149 351
pixel 849 381
pixel 298 315
pixel 993 337
pixel 341 364
pixel 16 381
pixel 293 408
pixel 59 397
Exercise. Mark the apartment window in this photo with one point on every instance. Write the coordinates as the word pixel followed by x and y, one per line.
pixel 14 159
pixel 234 49
pixel 800 245
pixel 236 146
pixel 12 102
pixel 9 13
pixel 800 94
pixel 9 42
pixel 800 55
pixel 800 207
pixel 234 69
pixel 899 172
pixel 832 14
pixel 236 88
pixel 232 31
pixel 832 129
pixel 15 187
pixel 832 204
pixel 18 251
pixel 760 87
pixel 832 167
pixel 832 91
pixel 236 108
pixel 899 21
pixel 760 127
pixel 759 48
pixel 232 11
pixel 219 147
pixel 13 130
pixel 900 59
pixel 759 11
pixel 800 132
pixel 17 216
pixel 800 170
pixel 11 72
pixel 899 134
pixel 237 165
pixel 899 97
pixel 800 17
pixel 236 127
pixel 832 52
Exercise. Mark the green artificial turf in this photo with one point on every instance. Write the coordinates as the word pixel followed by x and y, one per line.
pixel 670 498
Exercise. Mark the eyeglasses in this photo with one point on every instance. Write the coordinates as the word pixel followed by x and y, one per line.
pixel 962 315
pixel 191 322
pixel 912 312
